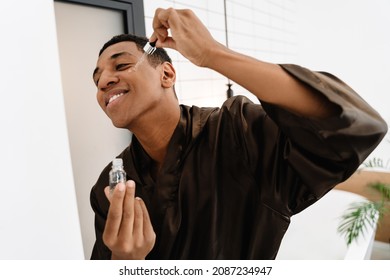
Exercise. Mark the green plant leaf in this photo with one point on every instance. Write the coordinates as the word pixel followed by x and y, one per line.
pixel 384 189
pixel 358 218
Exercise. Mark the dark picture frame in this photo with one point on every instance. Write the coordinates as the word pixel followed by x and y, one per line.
pixel 132 10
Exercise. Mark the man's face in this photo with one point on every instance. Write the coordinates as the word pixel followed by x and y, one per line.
pixel 126 95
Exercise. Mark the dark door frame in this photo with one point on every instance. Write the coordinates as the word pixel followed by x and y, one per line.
pixel 132 10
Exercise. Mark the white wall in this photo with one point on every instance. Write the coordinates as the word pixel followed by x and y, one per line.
pixel 38 210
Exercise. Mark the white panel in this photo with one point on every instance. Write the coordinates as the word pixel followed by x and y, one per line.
pixel 39 218
pixel 94 141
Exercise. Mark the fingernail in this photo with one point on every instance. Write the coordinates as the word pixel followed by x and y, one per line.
pixel 130 184
pixel 121 187
pixel 138 198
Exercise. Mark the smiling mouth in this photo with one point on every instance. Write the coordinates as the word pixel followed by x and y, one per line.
pixel 114 97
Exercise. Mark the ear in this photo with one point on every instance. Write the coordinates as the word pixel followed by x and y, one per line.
pixel 168 75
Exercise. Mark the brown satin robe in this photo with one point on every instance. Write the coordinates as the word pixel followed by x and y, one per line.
pixel 235 175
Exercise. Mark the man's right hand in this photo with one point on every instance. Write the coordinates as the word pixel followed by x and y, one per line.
pixel 128 232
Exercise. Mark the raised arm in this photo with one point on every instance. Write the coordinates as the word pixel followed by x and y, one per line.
pixel 269 82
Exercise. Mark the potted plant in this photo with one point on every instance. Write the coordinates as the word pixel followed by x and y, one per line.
pixel 362 215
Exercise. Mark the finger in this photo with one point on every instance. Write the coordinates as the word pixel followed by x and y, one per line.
pixel 108 193
pixel 138 230
pixel 149 233
pixel 163 20
pixel 153 37
pixel 168 43
pixel 160 28
pixel 159 35
pixel 114 216
pixel 160 19
pixel 168 18
pixel 127 224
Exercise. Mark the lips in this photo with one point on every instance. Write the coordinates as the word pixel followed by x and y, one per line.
pixel 113 95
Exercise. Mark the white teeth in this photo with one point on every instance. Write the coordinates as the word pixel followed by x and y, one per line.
pixel 115 97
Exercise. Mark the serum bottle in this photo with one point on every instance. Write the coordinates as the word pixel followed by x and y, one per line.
pixel 117 173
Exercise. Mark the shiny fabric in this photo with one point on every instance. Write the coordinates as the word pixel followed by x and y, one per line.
pixel 235 175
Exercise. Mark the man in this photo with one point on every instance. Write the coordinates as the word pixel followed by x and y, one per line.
pixel 219 183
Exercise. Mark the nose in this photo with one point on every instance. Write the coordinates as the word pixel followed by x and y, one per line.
pixel 107 79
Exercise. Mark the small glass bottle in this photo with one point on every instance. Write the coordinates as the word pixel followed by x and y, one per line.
pixel 117 173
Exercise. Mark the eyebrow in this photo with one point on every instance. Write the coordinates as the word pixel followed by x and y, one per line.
pixel 112 57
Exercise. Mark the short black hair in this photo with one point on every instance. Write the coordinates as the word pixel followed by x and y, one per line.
pixel 158 57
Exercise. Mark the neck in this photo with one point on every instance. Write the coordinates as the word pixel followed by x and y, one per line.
pixel 154 135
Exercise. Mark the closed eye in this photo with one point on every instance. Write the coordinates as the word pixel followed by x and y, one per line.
pixel 118 67
pixel 122 66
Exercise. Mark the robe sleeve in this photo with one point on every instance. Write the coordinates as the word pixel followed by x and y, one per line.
pixel 300 159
